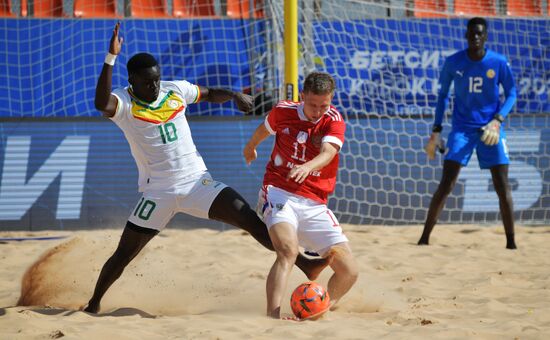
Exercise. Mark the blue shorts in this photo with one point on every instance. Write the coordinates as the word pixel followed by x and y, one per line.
pixel 461 145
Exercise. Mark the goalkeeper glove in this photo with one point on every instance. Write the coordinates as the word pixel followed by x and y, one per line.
pixel 435 143
pixel 491 133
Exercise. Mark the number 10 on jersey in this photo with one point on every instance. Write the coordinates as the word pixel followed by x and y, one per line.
pixel 168 132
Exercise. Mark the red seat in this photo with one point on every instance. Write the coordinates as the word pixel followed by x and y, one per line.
pixel 240 9
pixel 524 8
pixel 430 8
pixel 475 7
pixel 24 8
pixel 5 9
pixel 48 8
pixel 193 8
pixel 148 9
pixel 95 9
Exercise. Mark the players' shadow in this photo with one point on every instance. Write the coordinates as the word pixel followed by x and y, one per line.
pixel 127 311
pixel 469 231
pixel 67 312
pixel 45 310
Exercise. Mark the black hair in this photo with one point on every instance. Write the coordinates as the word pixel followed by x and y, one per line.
pixel 477 21
pixel 319 83
pixel 140 61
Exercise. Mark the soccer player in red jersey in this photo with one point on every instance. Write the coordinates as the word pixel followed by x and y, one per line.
pixel 298 179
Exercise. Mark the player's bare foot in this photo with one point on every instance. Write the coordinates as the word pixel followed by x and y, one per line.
pixel 510 241
pixel 275 314
pixel 90 308
pixel 333 305
pixel 423 242
pixel 310 318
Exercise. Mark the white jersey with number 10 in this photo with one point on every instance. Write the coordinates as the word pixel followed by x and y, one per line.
pixel 159 135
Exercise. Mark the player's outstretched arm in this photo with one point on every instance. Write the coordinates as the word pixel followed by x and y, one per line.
pixel 243 101
pixel 104 101
pixel 259 136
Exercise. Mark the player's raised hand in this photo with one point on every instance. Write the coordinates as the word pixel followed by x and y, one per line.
pixel 250 154
pixel 491 133
pixel 244 102
pixel 116 41
pixel 435 143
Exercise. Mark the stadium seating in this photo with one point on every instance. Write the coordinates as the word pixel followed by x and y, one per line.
pixel 524 8
pixel 429 8
pixel 95 9
pixel 48 8
pixel 475 7
pixel 240 9
pixel 148 9
pixel 193 8
pixel 5 9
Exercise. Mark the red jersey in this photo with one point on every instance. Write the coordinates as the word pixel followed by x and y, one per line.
pixel 297 141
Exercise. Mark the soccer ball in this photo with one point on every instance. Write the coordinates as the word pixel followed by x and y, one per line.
pixel 309 299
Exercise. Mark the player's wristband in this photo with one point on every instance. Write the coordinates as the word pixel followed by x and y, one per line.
pixel 499 117
pixel 437 128
pixel 110 59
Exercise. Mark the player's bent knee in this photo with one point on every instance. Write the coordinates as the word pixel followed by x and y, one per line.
pixel 287 252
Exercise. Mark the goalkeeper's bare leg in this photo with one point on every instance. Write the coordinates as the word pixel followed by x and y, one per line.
pixel 451 169
pixel 502 187
pixel 231 208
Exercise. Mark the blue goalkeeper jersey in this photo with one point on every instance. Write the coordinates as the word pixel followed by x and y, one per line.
pixel 476 86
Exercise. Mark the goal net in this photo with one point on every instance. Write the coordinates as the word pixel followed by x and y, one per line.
pixel 385 55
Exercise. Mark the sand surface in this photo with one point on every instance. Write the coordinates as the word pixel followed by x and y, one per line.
pixel 206 284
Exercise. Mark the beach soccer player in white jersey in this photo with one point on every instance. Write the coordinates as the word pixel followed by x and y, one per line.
pixel 172 174
pixel 299 176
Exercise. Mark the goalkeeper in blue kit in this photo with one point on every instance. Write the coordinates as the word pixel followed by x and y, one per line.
pixel 477 119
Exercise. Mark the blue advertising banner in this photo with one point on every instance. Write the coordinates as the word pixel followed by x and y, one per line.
pixel 50 67
pixel 391 67
pixel 383 66
pixel 80 174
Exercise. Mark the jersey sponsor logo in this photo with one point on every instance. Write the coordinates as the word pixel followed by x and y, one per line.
pixel 491 73
pixel 301 137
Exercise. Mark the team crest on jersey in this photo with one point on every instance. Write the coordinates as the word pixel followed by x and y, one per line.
pixel 173 103
pixel 206 181
pixel 491 73
pixel 301 137
pixel 167 109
